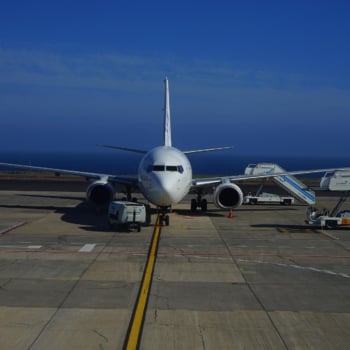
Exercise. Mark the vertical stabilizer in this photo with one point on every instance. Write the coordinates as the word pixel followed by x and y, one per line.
pixel 167 125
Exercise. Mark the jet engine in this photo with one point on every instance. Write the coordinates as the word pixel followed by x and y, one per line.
pixel 100 193
pixel 228 195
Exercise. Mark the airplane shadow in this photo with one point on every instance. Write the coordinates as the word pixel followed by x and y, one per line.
pixel 261 209
pixel 199 213
pixel 314 228
pixel 83 214
pixel 51 196
pixel 287 227
pixel 88 219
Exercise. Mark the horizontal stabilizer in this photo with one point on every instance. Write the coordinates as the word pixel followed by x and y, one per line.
pixel 124 149
pixel 207 150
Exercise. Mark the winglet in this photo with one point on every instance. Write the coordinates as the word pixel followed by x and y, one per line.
pixel 167 125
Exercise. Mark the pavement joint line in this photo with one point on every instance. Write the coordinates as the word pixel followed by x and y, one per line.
pixel 11 228
pixel 330 236
pixel 134 332
pixel 65 298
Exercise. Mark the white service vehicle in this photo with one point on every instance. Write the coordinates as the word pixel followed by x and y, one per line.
pixel 268 198
pixel 333 181
pixel 126 214
pixel 326 219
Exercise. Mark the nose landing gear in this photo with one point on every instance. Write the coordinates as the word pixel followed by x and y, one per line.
pixel 164 217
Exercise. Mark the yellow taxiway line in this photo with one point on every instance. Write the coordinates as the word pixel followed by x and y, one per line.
pixel 134 333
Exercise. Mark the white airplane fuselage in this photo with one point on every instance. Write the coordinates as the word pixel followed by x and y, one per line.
pixel 165 176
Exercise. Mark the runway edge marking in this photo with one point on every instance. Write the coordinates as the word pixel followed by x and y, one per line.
pixel 134 333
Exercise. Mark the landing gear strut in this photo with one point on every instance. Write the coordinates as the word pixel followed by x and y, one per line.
pixel 199 202
pixel 164 217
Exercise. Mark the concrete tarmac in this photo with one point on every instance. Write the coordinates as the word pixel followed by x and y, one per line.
pixel 260 280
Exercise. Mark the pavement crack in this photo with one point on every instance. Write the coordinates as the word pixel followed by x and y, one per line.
pixel 100 335
pixel 3 286
pixel 202 337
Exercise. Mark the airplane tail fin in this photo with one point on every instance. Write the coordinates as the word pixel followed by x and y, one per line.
pixel 167 125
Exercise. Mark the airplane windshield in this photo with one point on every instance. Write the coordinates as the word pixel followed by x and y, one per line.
pixel 158 168
pixel 170 168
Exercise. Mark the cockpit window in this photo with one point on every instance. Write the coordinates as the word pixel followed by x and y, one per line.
pixel 158 167
pixel 170 168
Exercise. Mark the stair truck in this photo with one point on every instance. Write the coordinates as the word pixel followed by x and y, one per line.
pixel 288 182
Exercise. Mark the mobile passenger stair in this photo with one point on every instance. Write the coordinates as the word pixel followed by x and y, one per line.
pixel 288 182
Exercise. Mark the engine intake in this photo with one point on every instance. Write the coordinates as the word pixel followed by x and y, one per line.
pixel 100 193
pixel 228 196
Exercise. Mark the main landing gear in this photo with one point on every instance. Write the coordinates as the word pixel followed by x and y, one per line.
pixel 199 202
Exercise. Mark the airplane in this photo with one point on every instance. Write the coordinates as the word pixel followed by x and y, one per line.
pixel 165 176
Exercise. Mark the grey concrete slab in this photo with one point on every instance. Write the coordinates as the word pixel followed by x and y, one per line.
pixel 202 296
pixel 262 279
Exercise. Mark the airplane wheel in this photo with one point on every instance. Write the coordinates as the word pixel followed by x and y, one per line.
pixel 193 205
pixel 204 205
pixel 330 224
pixel 166 220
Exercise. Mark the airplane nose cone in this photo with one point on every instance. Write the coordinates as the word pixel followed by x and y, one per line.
pixel 167 193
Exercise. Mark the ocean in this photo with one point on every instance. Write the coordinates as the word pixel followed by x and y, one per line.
pixel 117 163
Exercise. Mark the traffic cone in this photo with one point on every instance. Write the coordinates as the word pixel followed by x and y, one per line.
pixel 230 214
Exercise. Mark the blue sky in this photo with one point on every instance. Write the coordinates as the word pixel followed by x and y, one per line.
pixel 267 77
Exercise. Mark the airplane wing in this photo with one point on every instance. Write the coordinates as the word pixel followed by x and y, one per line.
pixel 124 180
pixel 202 182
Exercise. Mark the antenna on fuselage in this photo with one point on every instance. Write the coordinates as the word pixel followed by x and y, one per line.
pixel 167 125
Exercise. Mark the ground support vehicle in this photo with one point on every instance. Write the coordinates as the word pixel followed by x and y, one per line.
pixel 127 215
pixel 333 181
pixel 268 198
pixel 328 219
pixel 288 182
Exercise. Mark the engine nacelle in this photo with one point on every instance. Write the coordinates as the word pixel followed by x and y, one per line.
pixel 100 193
pixel 228 196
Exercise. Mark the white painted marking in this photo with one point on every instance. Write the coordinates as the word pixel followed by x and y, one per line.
pixel 87 248
pixel 294 266
pixel 34 246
